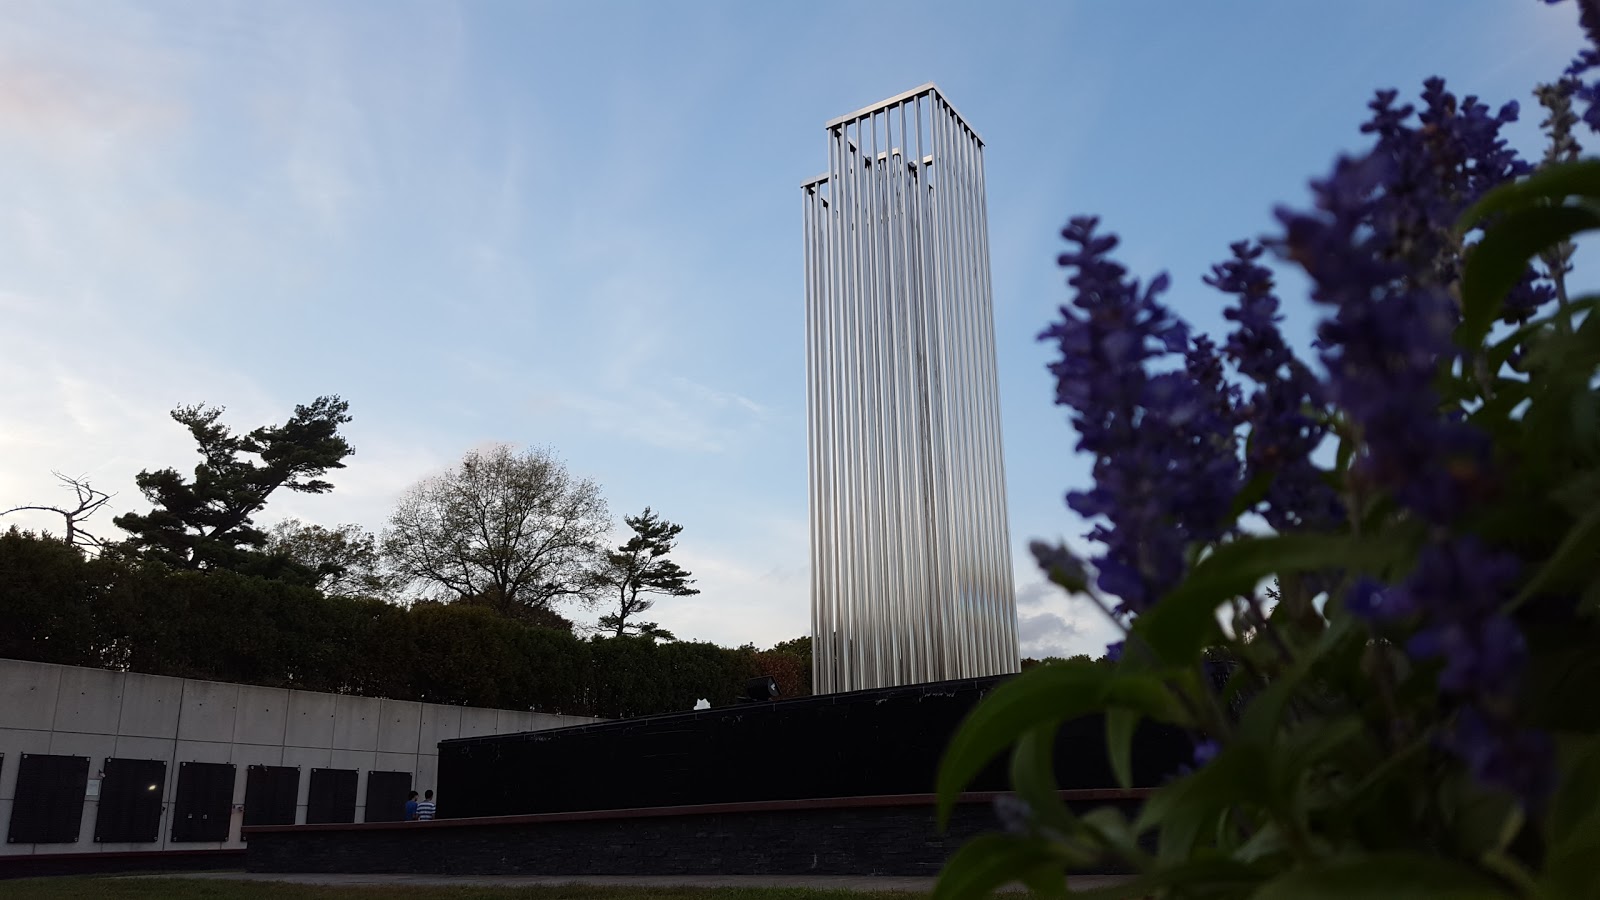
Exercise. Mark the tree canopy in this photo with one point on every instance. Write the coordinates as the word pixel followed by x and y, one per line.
pixel 342 561
pixel 513 531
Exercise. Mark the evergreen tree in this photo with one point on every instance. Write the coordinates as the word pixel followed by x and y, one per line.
pixel 207 522
pixel 639 569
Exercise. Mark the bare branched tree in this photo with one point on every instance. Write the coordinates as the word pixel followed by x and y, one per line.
pixel 89 502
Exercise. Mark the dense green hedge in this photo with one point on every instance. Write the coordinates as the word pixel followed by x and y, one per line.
pixel 58 606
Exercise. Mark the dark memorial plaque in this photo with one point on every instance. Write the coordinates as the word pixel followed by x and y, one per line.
pixel 332 797
pixel 48 807
pixel 271 794
pixel 130 801
pixel 386 796
pixel 203 807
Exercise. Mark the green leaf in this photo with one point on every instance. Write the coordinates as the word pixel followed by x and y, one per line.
pixel 1120 725
pixel 1347 449
pixel 1267 841
pixel 1043 695
pixel 1261 717
pixel 1500 352
pixel 1391 876
pixel 1575 556
pixel 1486 819
pixel 1589 603
pixel 1184 808
pixel 1498 261
pixel 1318 739
pixel 1046 882
pixel 1112 828
pixel 1572 827
pixel 1185 620
pixel 1253 491
pixel 1033 777
pixel 990 861
pixel 1578 799
pixel 1548 184
pixel 1562 677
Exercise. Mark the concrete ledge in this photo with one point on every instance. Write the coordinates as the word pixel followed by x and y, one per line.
pixel 857 836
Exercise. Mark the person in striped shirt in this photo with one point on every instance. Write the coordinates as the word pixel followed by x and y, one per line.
pixel 425 808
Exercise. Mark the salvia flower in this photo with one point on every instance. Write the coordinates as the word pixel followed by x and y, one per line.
pixel 1452 603
pixel 1381 252
pixel 1166 468
pixel 1587 60
pixel 1283 431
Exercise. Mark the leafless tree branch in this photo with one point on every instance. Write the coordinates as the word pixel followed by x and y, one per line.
pixel 90 500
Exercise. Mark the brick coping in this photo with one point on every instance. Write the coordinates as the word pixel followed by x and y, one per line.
pixel 878 801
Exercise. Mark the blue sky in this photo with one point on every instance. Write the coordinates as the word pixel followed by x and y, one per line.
pixel 578 226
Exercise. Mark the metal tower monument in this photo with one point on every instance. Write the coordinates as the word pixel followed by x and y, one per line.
pixel 910 560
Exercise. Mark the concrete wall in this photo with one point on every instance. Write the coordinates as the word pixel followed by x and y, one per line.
pixel 99 714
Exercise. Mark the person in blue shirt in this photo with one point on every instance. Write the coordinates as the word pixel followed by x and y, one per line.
pixel 411 807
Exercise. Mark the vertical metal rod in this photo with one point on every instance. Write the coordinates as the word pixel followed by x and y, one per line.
pixel 981 491
pixel 844 363
pixel 1011 661
pixel 813 429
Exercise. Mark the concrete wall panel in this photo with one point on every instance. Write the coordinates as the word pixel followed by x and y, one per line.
pixel 399 724
pixel 398 762
pixel 88 700
pixel 362 761
pixel 310 720
pixel 439 723
pixel 511 721
pixel 307 758
pixel 261 714
pixel 13 743
pixel 150 705
pixel 355 723
pixel 208 711
pixel 547 721
pixel 95 746
pixel 427 774
pixel 199 751
pixel 477 722
pixel 145 748
pixel 28 695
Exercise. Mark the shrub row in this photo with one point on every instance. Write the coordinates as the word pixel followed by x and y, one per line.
pixel 58 606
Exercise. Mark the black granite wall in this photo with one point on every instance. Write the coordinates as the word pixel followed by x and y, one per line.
pixel 863 743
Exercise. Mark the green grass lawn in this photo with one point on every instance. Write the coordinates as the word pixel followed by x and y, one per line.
pixel 198 889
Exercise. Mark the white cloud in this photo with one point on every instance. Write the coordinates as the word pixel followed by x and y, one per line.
pixel 1052 623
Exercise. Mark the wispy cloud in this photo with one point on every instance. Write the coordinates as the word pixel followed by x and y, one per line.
pixel 678 414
